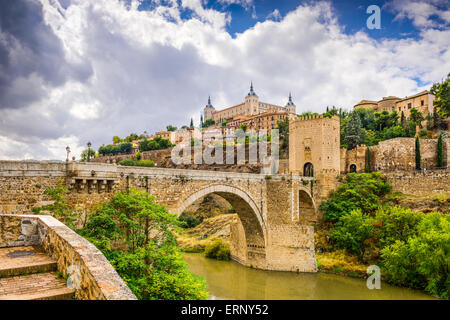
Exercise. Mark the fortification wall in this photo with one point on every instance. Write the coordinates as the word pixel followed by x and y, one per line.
pixel 420 183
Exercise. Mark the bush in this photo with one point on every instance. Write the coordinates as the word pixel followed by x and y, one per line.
pixel 147 257
pixel 353 232
pixel 115 149
pixel 359 191
pixel 218 249
pixel 363 234
pixel 422 261
pixel 189 220
pixel 137 163
pixel 154 144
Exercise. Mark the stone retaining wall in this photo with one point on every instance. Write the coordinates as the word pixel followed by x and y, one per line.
pixel 424 182
pixel 75 256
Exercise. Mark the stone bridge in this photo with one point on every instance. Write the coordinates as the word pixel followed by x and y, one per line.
pixel 275 212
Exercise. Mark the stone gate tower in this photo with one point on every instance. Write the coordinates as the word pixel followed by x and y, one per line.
pixel 314 150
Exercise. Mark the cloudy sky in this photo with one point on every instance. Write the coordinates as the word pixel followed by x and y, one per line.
pixel 73 71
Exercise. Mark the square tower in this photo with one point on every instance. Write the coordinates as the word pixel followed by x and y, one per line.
pixel 314 149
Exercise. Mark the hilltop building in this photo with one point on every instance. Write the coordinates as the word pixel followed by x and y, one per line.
pixel 250 107
pixel 422 101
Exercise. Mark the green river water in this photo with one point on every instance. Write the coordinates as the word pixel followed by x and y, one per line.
pixel 230 280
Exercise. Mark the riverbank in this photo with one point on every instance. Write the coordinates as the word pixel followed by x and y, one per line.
pixel 230 280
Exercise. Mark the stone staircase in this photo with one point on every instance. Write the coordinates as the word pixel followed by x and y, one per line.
pixel 27 273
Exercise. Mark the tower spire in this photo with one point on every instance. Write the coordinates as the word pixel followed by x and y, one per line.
pixel 290 102
pixel 251 93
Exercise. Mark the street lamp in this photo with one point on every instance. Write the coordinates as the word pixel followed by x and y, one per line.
pixel 89 144
pixel 68 151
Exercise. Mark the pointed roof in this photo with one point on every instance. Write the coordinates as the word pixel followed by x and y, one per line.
pixel 290 102
pixel 209 105
pixel 251 93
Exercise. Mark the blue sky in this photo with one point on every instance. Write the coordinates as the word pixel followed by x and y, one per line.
pixel 87 70
pixel 351 14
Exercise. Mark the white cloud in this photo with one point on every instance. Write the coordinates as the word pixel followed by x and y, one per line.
pixel 152 68
pixel 421 12
pixel 274 15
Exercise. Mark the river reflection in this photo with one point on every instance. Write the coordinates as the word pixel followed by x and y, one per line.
pixel 230 280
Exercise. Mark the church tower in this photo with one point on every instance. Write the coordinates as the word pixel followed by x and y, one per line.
pixel 251 102
pixel 290 106
pixel 208 110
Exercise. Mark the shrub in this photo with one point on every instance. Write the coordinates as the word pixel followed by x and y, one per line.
pixel 148 259
pixel 115 149
pixel 137 163
pixel 364 235
pixel 418 154
pixel 154 144
pixel 218 249
pixel 189 220
pixel 440 152
pixel 422 261
pixel 353 232
pixel 359 191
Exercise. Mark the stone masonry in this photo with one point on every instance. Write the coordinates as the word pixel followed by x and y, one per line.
pixel 275 211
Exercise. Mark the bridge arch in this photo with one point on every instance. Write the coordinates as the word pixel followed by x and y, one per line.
pixel 255 231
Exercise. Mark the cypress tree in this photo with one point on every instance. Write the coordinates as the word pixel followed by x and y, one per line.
pixel 440 152
pixel 403 120
pixel 417 153
pixel 368 160
pixel 192 123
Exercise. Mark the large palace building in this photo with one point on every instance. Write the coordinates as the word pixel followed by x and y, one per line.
pixel 251 107
pixel 422 101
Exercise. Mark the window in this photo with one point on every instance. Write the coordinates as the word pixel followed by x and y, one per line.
pixel 409 105
pixel 422 102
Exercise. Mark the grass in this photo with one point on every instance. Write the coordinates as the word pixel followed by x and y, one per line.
pixel 340 262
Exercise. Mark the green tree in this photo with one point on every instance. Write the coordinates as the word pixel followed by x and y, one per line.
pixel 354 133
pixel 385 119
pixel 86 153
pixel 367 169
pixel 362 191
pixel 131 137
pixel 442 93
pixel 283 127
pixel 422 259
pixel 208 123
pixel 171 128
pixel 60 208
pixel 440 152
pixel 416 116
pixel 403 120
pixel 135 234
pixel 191 125
pixel 418 158
pixel 116 139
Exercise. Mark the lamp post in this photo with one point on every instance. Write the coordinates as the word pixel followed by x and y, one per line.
pixel 89 151
pixel 68 151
